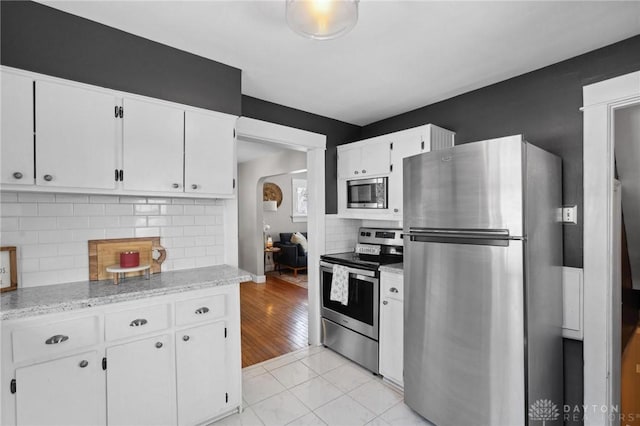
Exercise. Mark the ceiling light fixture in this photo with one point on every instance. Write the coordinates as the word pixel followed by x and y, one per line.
pixel 322 19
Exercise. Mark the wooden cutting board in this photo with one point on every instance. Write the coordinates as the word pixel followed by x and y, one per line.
pixel 104 253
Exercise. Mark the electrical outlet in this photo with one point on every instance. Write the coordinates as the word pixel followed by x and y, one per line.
pixel 570 214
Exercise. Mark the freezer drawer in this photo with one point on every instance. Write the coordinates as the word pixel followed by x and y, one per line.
pixel 464 332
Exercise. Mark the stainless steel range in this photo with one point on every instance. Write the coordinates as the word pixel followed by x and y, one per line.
pixel 352 329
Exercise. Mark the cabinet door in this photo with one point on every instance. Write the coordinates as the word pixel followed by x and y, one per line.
pixel 201 360
pixel 376 157
pixel 391 340
pixel 209 147
pixel 405 144
pixel 153 147
pixel 140 384
pixel 67 391
pixel 349 162
pixel 16 145
pixel 76 137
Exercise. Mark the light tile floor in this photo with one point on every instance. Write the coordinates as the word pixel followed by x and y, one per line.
pixel 316 386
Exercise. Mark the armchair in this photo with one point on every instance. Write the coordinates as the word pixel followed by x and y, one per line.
pixel 291 256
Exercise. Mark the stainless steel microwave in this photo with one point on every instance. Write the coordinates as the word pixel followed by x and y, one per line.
pixel 367 193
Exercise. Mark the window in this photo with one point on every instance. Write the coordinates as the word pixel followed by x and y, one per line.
pixel 299 199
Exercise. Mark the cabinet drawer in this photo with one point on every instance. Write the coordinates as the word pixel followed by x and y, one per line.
pixel 392 286
pixel 200 309
pixel 134 322
pixel 55 338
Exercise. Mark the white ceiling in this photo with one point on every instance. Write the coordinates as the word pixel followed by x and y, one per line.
pixel 401 55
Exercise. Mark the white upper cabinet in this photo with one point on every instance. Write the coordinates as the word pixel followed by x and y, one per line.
pixel 153 139
pixel 370 157
pixel 16 143
pixel 76 137
pixel 209 153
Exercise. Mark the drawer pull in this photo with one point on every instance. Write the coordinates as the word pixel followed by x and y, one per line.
pixel 58 338
pixel 158 345
pixel 185 338
pixel 393 290
pixel 202 310
pixel 385 302
pixel 138 322
pixel 83 363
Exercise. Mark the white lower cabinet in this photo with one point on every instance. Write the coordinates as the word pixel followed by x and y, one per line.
pixel 140 386
pixel 391 327
pixel 165 360
pixel 203 383
pixel 65 391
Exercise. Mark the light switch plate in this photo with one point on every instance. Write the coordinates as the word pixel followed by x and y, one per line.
pixel 570 214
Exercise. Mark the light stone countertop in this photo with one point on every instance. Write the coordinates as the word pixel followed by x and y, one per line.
pixel 33 301
pixel 394 268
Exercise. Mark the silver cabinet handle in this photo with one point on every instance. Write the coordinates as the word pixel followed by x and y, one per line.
pixel 364 171
pixel 138 322
pixel 202 310
pixel 158 345
pixel 58 338
pixel 17 175
pixel 355 172
pixel 396 210
pixel 83 363
pixel 48 178
pixel 194 186
pixel 384 302
pixel 393 290
pixel 176 185
pixel 185 338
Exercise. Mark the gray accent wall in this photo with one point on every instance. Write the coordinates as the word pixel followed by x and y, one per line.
pixel 41 39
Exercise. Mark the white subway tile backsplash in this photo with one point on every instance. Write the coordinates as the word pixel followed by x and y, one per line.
pixel 118 209
pixel 182 220
pixel 12 238
pixel 73 222
pixel 119 233
pixel 19 209
pixel 147 232
pixel 34 197
pixel 37 223
pixel 172 210
pixel 72 198
pixel 147 209
pixel 159 220
pixel 89 210
pixel 104 222
pixel 194 210
pixel 55 236
pixel 51 231
pixel 104 199
pixel 55 209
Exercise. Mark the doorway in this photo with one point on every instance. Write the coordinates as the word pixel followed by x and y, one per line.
pixel 310 148
pixel 602 247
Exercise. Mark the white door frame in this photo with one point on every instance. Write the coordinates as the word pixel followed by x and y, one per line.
pixel 314 144
pixel 601 292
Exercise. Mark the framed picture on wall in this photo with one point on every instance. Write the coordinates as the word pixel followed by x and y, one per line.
pixel 299 200
pixel 8 269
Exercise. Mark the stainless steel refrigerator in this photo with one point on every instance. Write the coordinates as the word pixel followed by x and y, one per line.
pixel 483 301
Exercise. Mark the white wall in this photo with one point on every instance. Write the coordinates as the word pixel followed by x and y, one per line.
pixel 250 212
pixel 51 231
pixel 280 221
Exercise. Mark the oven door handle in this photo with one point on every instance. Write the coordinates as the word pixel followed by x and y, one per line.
pixel 361 272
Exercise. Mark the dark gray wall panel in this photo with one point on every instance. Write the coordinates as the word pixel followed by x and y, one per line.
pixel 38 38
pixel 544 105
pixel 337 133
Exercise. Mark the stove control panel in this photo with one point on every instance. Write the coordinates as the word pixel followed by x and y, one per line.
pixel 381 236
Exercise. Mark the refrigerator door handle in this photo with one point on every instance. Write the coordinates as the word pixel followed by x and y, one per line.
pixel 497 237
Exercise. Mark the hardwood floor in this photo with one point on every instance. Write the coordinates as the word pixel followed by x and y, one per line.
pixel 274 318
